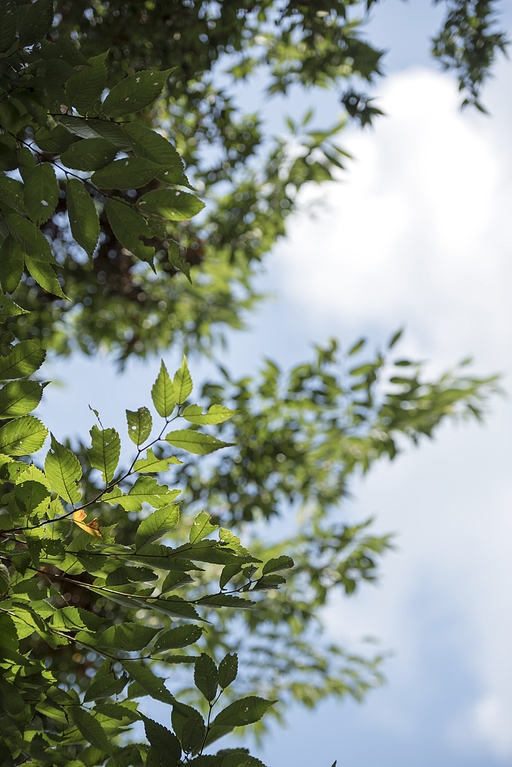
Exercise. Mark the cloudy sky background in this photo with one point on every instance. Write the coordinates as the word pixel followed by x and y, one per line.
pixel 417 234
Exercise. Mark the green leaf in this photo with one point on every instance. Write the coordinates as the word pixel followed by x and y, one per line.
pixel 129 637
pixel 53 141
pixel 24 359
pixel 5 578
pixel 163 741
pixel 150 683
pixel 36 22
pixel 182 382
pixel 104 687
pixel 12 192
pixel 179 263
pixel 241 760
pixel 32 496
pixel 140 424
pixel 153 758
pixel 174 639
pixel 176 607
pixel 229 538
pixel 395 338
pixel 242 712
pixel 63 470
pixel 215 414
pixel 135 92
pixel 22 436
pixel 280 563
pixel 228 572
pixel 41 193
pixel 201 527
pixel 89 129
pixel 162 393
pixel 192 735
pixel 170 204
pixel 129 574
pixel 105 451
pixel 31 239
pixel 195 441
pixel 225 600
pixel 8 635
pixel 83 216
pixel 89 154
pixel 157 525
pixel 152 464
pixel 128 173
pixel 9 25
pixel 90 728
pixel 269 582
pixel 147 490
pixel 206 677
pixel 174 580
pixel 11 264
pixel 19 398
pixel 44 276
pixel 228 670
pixel 86 86
pixel 181 714
pixel 151 145
pixel 129 226
pixel 9 308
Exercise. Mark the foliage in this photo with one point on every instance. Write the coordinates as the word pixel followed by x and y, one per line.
pixel 250 177
pixel 468 42
pixel 98 249
pixel 43 559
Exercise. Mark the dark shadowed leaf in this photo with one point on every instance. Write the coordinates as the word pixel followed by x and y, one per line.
pixel 135 92
pixel 163 741
pixel 83 216
pixel 170 204
pixel 241 712
pixel 206 677
pixel 181 636
pixel 228 669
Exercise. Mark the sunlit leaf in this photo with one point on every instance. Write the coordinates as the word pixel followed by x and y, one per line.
pixel 139 424
pixel 195 441
pixel 156 525
pixel 105 451
pixel 22 436
pixel 63 470
pixel 215 414
pixel 162 393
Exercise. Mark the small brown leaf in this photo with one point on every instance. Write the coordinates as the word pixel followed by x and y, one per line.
pixel 92 528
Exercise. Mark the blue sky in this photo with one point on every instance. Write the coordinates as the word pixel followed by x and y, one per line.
pixel 417 234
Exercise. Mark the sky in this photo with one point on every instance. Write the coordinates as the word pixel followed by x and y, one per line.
pixel 416 234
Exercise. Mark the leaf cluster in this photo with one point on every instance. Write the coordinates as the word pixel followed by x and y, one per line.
pixel 49 548
pixel 250 178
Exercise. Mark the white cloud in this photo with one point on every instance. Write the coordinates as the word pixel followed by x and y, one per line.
pixel 420 234
pixel 417 232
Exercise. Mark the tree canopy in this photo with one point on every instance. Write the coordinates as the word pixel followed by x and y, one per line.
pixel 136 203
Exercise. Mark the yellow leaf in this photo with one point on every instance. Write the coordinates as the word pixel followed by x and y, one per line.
pixel 92 528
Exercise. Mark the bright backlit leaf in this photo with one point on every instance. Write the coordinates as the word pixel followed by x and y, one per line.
pixel 63 470
pixel 195 441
